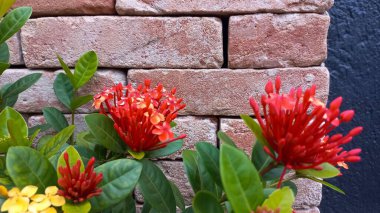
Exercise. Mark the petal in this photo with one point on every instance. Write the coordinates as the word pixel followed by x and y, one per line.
pixel 49 210
pixel 7 204
pixel 44 204
pixel 14 192
pixel 29 191
pixel 18 205
pixel 51 190
pixel 3 191
pixel 38 197
pixel 57 200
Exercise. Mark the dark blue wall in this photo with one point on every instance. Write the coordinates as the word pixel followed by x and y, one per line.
pixel 354 63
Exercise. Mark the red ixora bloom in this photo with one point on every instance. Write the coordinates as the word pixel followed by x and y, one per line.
pixel 77 186
pixel 297 126
pixel 142 115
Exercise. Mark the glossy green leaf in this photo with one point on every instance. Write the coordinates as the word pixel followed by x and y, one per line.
pixel 255 128
pixel 191 168
pixel 7 114
pixel 5 5
pixel 119 179
pixel 146 208
pixel 156 188
pixel 55 118
pixel 327 171
pixel 56 142
pixel 33 136
pixel 240 179
pixel 274 174
pixel 54 159
pixel 73 159
pixel 42 128
pixel 207 182
pixel 179 200
pixel 204 202
pixel 13 22
pixel 83 207
pixel 168 150
pixel 67 70
pixel 3 67
pixel 42 141
pixel 209 155
pixel 18 137
pixel 292 186
pixel 21 85
pixel 26 166
pixel 80 101
pixel 101 127
pixel 63 89
pixel 224 138
pixel 259 157
pixel 331 186
pixel 85 68
pixel 4 53
pixel 127 205
pixel 10 101
pixel 282 199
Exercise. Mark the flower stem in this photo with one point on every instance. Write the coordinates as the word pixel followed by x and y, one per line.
pixel 281 178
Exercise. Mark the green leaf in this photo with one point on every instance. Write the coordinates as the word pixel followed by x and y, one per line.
pixel 191 168
pixel 42 128
pixel 146 208
pixel 331 186
pixel 7 114
pixel 282 199
pixel 26 166
pixel 224 138
pixel 101 127
pixel 3 67
pixel 188 210
pixel 292 186
pixel 55 143
pixel 4 52
pixel 85 68
pixel 274 174
pixel 18 137
pixel 33 136
pixel 240 179
pixel 156 188
pixel 204 201
pixel 21 85
pixel 5 5
pixel 209 155
pixel 180 202
pixel 63 89
pixel 13 22
pixel 55 118
pixel 73 159
pixel 66 69
pixel 83 207
pixel 126 205
pixel 207 182
pixel 168 150
pixel 80 101
pixel 119 179
pixel 256 129
pixel 327 171
pixel 43 141
pixel 259 157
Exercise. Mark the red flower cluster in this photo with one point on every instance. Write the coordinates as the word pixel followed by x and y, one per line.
pixel 142 115
pixel 76 186
pixel 297 126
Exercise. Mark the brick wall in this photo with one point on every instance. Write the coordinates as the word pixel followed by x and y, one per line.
pixel 218 53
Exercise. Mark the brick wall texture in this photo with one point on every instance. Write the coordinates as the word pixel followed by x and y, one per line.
pixel 218 53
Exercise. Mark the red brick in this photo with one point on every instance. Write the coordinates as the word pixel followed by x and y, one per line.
pixel 226 92
pixel 277 40
pixel 69 7
pixel 15 52
pixel 218 7
pixel 42 94
pixel 137 42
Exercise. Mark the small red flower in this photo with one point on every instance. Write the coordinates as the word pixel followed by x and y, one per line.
pixel 296 126
pixel 142 115
pixel 76 186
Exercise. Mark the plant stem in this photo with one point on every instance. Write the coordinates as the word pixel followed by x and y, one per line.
pixel 72 123
pixel 268 168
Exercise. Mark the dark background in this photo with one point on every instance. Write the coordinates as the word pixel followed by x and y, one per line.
pixel 354 64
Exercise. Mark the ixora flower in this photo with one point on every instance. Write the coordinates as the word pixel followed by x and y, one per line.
pixel 142 115
pixel 296 126
pixel 76 186
pixel 28 201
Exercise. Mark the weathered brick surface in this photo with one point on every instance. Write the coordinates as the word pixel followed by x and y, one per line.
pixel 277 40
pixel 309 194
pixel 312 210
pixel 15 52
pixel 197 129
pixel 42 94
pixel 69 7
pixel 175 172
pixel 226 92
pixel 218 7
pixel 140 42
pixel 239 133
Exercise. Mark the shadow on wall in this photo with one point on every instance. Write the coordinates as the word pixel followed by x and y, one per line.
pixel 354 64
